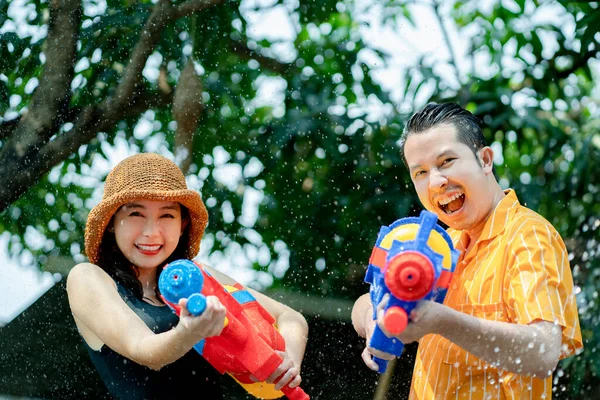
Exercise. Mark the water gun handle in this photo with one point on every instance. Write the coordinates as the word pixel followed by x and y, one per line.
pixel 233 329
pixel 385 344
pixel 294 393
pixel 381 363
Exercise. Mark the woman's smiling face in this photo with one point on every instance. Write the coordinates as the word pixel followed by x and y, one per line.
pixel 147 232
pixel 449 178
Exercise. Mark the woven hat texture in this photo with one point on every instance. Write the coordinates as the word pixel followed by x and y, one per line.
pixel 145 176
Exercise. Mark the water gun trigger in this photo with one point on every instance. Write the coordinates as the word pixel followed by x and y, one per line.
pixel 395 320
pixel 196 304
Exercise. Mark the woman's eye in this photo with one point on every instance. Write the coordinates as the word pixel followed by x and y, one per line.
pixel 448 160
pixel 419 173
pixel 168 216
pixel 135 214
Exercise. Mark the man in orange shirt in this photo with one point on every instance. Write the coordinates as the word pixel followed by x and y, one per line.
pixel 510 312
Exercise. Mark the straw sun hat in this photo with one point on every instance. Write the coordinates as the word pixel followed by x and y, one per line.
pixel 144 176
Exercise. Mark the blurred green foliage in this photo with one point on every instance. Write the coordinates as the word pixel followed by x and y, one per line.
pixel 324 165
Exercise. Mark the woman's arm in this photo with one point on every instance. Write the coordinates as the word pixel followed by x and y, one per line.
pixel 102 317
pixel 290 323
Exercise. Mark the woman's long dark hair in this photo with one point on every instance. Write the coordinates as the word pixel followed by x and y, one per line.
pixel 114 262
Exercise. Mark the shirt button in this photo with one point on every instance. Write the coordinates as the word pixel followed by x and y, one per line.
pixel 454 287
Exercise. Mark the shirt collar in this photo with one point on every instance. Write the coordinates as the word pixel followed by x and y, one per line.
pixel 496 222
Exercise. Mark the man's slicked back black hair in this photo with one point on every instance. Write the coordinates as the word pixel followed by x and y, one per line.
pixel 468 126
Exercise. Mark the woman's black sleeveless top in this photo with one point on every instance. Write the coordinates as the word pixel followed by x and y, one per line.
pixel 127 380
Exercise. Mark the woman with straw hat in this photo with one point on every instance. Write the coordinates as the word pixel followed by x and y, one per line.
pixel 141 349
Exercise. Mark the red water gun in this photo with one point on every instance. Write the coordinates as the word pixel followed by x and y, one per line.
pixel 248 343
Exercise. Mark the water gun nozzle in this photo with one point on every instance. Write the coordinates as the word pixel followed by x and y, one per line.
pixel 410 276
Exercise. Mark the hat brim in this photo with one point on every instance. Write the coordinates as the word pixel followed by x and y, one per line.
pixel 101 214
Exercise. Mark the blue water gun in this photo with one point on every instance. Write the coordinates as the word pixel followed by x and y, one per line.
pixel 412 260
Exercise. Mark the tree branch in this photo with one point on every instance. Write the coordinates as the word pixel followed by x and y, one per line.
pixel 436 10
pixel 22 161
pixel 92 120
pixel 7 127
pixel 87 123
pixel 192 6
pixel 54 91
pixel 579 61
pixel 267 62
pixel 163 13
pixel 139 104
pixel 47 106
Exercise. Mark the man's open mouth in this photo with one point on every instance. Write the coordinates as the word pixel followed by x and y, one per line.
pixel 452 204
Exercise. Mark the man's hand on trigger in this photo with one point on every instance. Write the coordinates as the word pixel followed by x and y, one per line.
pixel 424 319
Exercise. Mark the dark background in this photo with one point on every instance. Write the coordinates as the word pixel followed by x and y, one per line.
pixel 42 357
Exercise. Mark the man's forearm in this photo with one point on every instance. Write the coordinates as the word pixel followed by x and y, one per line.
pixel 521 349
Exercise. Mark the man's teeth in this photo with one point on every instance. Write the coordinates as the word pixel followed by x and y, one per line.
pixel 450 199
pixel 148 248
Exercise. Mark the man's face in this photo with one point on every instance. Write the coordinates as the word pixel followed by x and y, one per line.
pixel 449 179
